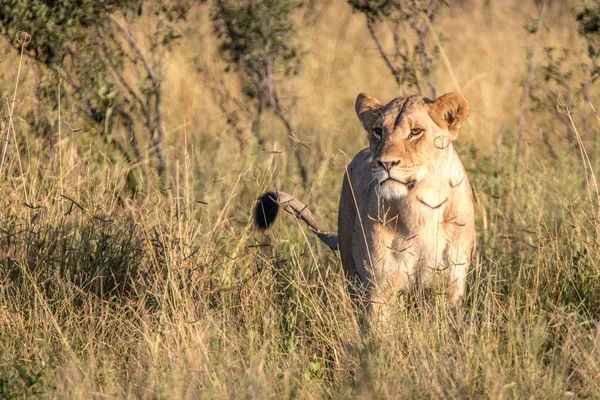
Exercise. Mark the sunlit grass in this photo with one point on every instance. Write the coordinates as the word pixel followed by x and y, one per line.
pixel 169 292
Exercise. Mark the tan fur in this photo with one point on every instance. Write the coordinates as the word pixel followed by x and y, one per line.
pixel 406 217
pixel 397 236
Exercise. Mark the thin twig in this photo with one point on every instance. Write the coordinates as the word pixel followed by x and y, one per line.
pixel 393 70
pixel 524 95
pixel 157 91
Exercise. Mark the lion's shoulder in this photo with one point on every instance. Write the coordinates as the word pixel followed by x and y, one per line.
pixel 359 172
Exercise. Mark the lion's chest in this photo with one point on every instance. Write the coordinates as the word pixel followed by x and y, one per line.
pixel 409 245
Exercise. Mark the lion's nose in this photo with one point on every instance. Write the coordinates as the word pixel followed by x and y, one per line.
pixel 387 165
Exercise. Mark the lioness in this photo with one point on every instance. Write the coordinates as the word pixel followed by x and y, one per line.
pixel 406 215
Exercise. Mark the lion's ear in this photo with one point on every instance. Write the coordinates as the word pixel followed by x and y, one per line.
pixel 449 112
pixel 368 110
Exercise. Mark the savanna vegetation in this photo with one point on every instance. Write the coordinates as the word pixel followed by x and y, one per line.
pixel 136 136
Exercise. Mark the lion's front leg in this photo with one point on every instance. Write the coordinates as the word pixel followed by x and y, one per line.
pixel 455 291
pixel 458 266
pixel 389 278
pixel 384 297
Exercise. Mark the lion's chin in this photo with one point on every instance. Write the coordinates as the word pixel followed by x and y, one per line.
pixel 390 190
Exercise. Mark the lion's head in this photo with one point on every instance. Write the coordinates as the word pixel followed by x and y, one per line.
pixel 408 137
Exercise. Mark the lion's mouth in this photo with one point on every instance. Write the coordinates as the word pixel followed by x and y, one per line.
pixel 409 184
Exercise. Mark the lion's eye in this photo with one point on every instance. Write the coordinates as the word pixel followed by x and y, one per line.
pixel 377 132
pixel 415 132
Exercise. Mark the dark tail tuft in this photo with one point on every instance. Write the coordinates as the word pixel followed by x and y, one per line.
pixel 266 210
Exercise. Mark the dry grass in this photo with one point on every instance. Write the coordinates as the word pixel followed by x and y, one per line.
pixel 171 293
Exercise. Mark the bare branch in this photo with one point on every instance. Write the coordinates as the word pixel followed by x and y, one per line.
pixel 524 95
pixel 157 92
pixel 383 54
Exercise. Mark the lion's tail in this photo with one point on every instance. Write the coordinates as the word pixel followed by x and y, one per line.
pixel 267 208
